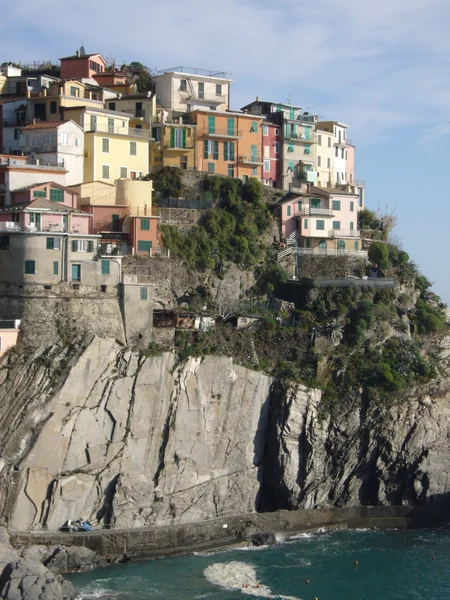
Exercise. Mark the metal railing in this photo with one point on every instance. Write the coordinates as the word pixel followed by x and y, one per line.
pixel 298 137
pixel 255 159
pixel 138 114
pixel 192 71
pixel 344 233
pixel 40 148
pixel 126 131
pixel 324 212
pixel 225 133
pixel 331 252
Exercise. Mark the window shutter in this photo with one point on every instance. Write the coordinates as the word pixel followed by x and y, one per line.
pixel 287 130
pixel 216 150
pixel 295 130
pixel 74 245
pixel 205 149
pixel 172 137
pixel 225 151
pixel 90 246
pixel 231 150
pixel 307 133
pixel 183 138
pixel 211 124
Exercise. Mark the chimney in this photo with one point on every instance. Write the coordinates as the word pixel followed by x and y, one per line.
pixel 78 53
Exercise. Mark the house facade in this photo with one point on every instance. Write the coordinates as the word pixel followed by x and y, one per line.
pixel 184 90
pixel 60 143
pixel 271 143
pixel 81 65
pixel 173 145
pixel 12 118
pixel 229 143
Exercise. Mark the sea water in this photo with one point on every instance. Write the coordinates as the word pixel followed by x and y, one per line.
pixel 342 565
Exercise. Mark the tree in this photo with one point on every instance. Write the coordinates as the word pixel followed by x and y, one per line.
pixel 167 182
pixel 379 254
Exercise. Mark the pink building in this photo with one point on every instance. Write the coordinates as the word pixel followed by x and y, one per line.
pixel 82 65
pixel 271 154
pixel 321 221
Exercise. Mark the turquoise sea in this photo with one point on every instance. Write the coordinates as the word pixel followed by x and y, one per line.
pixel 390 565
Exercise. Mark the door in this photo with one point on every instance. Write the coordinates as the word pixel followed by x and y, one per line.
pixel 254 153
pixel 341 246
pixel 116 222
pixel 139 109
pixel 322 246
pixel 76 272
pixel 201 89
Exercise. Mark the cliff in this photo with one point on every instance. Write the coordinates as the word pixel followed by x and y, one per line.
pixel 126 439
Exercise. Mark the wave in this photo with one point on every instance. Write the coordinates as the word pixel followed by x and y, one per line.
pixel 241 576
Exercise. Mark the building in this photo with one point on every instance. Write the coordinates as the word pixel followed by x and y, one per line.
pixel 118 81
pixel 297 150
pixel 325 158
pixel 173 146
pixel 123 215
pixel 18 172
pixel 112 149
pixel 13 113
pixel 58 142
pixel 140 107
pixel 229 143
pixel 184 90
pixel 81 65
pixel 321 221
pixel 9 332
pixel 340 148
pixel 271 143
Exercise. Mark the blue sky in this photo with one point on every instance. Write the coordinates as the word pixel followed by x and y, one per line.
pixel 382 67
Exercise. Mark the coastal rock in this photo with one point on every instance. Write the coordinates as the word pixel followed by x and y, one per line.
pixel 25 579
pixel 129 440
pixel 64 559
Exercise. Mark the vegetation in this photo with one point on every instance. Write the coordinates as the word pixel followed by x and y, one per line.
pixel 167 182
pixel 228 233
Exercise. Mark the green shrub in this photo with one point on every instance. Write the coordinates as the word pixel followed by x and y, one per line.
pixel 379 254
pixel 429 319
pixel 167 182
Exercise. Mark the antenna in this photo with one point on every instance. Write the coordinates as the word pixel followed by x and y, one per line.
pixel 289 98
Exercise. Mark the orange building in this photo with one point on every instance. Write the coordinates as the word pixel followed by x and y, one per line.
pixel 82 65
pixel 229 143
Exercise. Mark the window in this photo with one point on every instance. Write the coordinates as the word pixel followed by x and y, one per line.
pixel 53 107
pixel 133 148
pixel 290 148
pixel 144 246
pixel 336 150
pixel 305 223
pixel 290 166
pixel 277 131
pixel 336 225
pixel 123 172
pixel 201 89
pixel 211 124
pixel 336 205
pixel 82 246
pixel 64 139
pixel 74 91
pixel 267 165
pixel 356 246
pixel 112 106
pixel 265 130
pixel 183 85
pixel 346 155
pixel 342 153
pixel 351 225
pixel 341 246
pixel 105 171
pixel 276 147
pixel 30 267
pixel 328 163
pixel 288 210
pixel 254 171
pixel 230 170
pixel 110 125
pixel 55 267
pixel 50 243
pixel 211 167
pixel 315 202
pixel 4 242
pixel 145 224
pixel 16 134
pixel 93 123
pixel 177 138
pixel 39 194
pixel 254 127
pixel 143 293
pixel 319 140
pixel 319 161
pixel 329 142
pixel 218 89
pixel 156 134
pixel 320 224
pixel 106 267
pixel 352 206
pixel 228 151
pixel 307 149
pixel 76 272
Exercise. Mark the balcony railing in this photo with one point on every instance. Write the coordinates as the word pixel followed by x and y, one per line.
pixel 203 98
pixel 323 212
pixel 126 131
pixel 298 137
pixel 39 148
pixel 136 114
pixel 344 233
pixel 359 183
pixel 251 159
pixel 331 252
pixel 223 133
pixel 189 146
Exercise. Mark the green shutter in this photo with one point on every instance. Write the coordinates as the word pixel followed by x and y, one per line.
pixel 356 246
pixel 216 150
pixel 211 124
pixel 295 130
pixel 55 267
pixel 299 205
pixel 307 133
pixel 50 243
pixel 183 135
pixel 74 245
pixel 57 195
pixel 352 206
pixel 288 130
pixel 231 150
pixel 205 149
pixel 308 149
pixel 230 126
pixel 225 151
pixel 30 267
pixel 288 211
pixel 105 267
pixel 143 293
pixel 172 137
pixel 291 113
pixel 291 166
pixel 254 128
pixel 305 224
pixel 144 246
pixel 90 246
pixel 254 152
pixel 290 148
pixel 145 224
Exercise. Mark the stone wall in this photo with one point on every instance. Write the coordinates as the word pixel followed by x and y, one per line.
pixel 330 267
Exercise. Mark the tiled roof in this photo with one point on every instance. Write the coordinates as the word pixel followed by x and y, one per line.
pixel 41 203
pixel 44 125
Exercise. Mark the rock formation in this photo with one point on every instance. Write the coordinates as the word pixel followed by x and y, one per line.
pixel 131 440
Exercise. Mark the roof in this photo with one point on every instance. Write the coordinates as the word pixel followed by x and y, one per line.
pixel 42 204
pixel 37 185
pixel 283 104
pixel 100 110
pixel 44 125
pixel 84 56
pixel 6 99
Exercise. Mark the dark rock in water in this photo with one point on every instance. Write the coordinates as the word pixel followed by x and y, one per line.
pixel 25 579
pixel 64 559
pixel 262 539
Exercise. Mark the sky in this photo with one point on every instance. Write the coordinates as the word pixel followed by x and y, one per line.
pixel 381 67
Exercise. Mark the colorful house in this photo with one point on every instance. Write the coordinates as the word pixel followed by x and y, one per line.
pixel 271 142
pixel 229 143
pixel 173 146
pixel 81 65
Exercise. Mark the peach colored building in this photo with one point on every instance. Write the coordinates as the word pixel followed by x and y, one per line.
pixel 81 65
pixel 229 143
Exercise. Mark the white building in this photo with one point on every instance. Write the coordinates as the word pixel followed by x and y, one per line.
pixel 59 143
pixel 183 89
pixel 340 143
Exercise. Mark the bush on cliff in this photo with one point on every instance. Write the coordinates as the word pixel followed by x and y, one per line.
pixel 167 182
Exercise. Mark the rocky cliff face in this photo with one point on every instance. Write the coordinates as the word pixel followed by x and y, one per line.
pixel 118 437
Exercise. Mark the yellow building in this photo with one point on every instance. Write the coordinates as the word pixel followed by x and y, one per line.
pixel 173 146
pixel 112 149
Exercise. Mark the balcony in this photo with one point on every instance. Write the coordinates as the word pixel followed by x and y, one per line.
pixel 230 134
pixel 298 137
pixel 202 98
pixel 330 252
pixel 136 114
pixel 39 148
pixel 125 131
pixel 359 183
pixel 254 159
pixel 343 143
pixel 188 148
pixel 319 212
pixel 344 233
